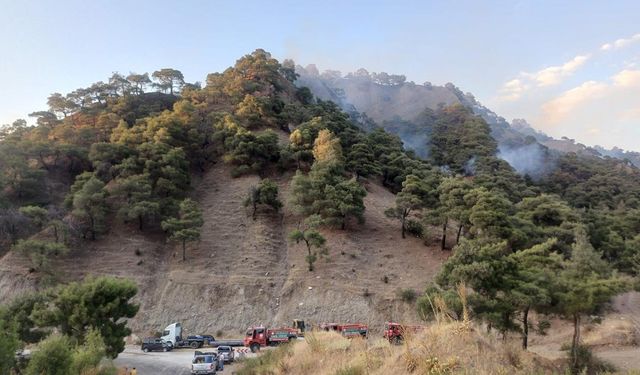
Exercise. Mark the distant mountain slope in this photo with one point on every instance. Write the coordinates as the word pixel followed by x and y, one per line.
pixel 380 101
pixel 399 106
pixel 409 111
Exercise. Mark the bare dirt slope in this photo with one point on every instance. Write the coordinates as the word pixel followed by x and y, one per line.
pixel 614 339
pixel 245 272
pixel 349 284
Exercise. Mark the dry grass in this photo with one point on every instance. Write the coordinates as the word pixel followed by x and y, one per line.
pixel 443 348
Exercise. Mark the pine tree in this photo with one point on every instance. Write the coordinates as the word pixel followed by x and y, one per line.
pixel 103 303
pixel 452 192
pixel 90 204
pixel 343 201
pixel 309 234
pixel 361 161
pixel 139 204
pixel 586 283
pixel 535 282
pixel 40 252
pixel 186 227
pixel 265 193
pixel 415 195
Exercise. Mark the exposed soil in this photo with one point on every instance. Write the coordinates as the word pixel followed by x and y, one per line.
pixel 244 272
pixel 614 339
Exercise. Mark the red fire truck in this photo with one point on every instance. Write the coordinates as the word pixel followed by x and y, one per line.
pixel 258 337
pixel 347 330
pixel 396 332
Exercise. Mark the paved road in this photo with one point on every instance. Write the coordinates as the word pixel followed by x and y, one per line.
pixel 176 362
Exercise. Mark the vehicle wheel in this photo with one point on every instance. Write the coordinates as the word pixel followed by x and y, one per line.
pixel 165 349
pixel 194 345
pixel 254 348
pixel 146 350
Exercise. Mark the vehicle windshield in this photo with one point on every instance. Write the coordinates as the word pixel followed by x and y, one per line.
pixel 224 349
pixel 203 359
pixel 165 332
pixel 249 333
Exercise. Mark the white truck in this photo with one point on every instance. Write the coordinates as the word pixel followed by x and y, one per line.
pixel 172 335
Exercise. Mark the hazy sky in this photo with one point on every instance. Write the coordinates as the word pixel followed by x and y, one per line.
pixel 571 68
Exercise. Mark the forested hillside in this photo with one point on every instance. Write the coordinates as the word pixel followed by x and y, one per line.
pixel 236 173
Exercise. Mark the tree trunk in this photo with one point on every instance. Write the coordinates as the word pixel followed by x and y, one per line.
pixel 443 245
pixel 93 228
pixel 505 322
pixel 575 341
pixel 525 328
pixel 140 222
pixel 44 163
pixel 403 227
pixel 255 209
pixel 55 232
pixel 184 251
pixel 309 255
pixel 459 233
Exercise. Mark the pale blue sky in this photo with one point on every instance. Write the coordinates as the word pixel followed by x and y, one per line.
pixel 497 50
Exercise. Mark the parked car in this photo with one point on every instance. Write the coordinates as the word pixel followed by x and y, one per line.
pixel 206 364
pixel 155 344
pixel 227 353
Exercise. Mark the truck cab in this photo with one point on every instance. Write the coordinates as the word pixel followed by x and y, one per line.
pixel 396 332
pixel 172 334
pixel 255 338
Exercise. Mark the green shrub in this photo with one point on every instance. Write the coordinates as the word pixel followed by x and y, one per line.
pixel 89 355
pixel 52 357
pixel 407 295
pixel 585 362
pixel 542 327
pixel 265 364
pixel 415 228
pixel 8 344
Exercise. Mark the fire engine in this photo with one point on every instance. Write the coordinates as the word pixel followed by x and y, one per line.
pixel 258 337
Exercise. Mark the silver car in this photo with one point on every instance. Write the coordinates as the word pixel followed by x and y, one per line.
pixel 206 364
pixel 227 353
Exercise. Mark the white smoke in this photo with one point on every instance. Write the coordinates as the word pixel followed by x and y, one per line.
pixel 530 159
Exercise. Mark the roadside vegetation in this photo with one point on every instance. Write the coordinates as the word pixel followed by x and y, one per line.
pixel 73 329
pixel 447 347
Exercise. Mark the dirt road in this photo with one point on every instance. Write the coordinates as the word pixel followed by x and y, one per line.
pixel 176 362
